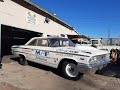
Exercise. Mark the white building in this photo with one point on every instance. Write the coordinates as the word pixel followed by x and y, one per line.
pixel 21 20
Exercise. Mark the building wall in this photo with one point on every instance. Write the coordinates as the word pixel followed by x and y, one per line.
pixel 111 41
pixel 12 14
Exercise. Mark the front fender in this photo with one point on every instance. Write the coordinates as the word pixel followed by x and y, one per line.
pixel 66 58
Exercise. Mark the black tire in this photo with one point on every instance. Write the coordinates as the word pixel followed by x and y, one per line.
pixel 75 75
pixel 0 65
pixel 22 60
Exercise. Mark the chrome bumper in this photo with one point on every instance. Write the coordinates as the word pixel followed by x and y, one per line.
pixel 89 69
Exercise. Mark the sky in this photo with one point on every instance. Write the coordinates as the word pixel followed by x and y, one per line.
pixel 93 18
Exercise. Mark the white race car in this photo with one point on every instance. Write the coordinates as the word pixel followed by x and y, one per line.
pixel 58 52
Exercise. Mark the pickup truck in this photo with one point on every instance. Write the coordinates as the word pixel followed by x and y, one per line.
pixel 100 44
pixel 61 53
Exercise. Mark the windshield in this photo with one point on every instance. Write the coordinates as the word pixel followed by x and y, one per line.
pixel 61 42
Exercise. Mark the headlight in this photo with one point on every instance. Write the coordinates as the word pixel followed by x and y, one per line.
pixel 93 60
pixel 107 56
pixel 99 58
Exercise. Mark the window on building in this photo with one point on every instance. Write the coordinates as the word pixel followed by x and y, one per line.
pixel 47 20
pixel 94 41
pixel 42 42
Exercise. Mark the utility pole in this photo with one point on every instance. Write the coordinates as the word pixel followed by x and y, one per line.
pixel 109 33
pixel 109 40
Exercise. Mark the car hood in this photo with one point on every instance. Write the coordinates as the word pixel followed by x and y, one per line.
pixel 92 50
pixel 82 50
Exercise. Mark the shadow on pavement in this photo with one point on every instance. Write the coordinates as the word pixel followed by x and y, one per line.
pixel 111 70
pixel 53 70
pixel 47 68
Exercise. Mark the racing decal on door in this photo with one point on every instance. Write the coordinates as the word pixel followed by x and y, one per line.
pixel 45 56
pixel 42 55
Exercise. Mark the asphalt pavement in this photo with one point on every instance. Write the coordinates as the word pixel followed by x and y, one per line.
pixel 13 76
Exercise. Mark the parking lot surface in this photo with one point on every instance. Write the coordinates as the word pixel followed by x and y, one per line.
pixel 38 77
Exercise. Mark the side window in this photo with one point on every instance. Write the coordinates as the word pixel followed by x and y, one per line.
pixel 54 43
pixel 33 42
pixel 42 42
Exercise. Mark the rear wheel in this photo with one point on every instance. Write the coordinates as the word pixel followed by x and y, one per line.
pixel 22 60
pixel 70 70
pixel 0 65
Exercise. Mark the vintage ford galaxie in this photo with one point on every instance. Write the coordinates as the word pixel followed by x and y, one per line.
pixel 62 53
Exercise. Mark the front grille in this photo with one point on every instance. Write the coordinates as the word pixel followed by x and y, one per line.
pixel 101 57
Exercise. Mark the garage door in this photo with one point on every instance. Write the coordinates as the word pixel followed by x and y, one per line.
pixel 14 36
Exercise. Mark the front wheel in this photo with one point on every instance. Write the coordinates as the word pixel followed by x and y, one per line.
pixel 70 71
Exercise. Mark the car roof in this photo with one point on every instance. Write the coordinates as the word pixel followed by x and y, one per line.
pixel 47 37
pixel 41 37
